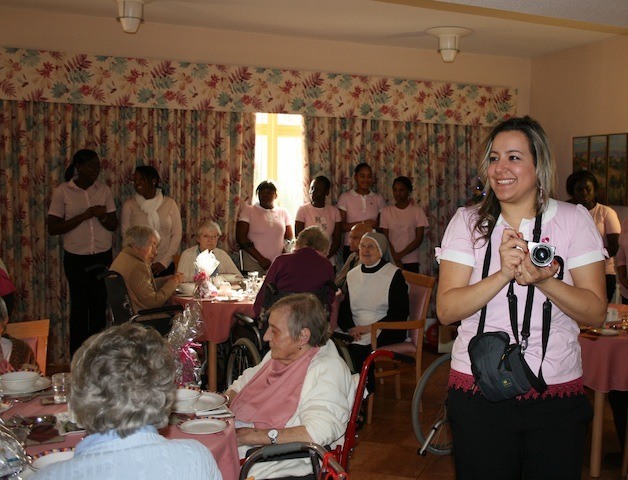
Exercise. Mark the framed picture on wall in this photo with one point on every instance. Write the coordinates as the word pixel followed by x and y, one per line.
pixel 617 179
pixel 580 153
pixel 598 147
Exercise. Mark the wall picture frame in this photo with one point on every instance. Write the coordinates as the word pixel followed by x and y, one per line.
pixel 606 157
pixel 617 177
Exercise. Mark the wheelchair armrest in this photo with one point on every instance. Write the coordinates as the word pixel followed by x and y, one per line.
pixel 164 309
pixel 345 337
pixel 281 451
pixel 244 319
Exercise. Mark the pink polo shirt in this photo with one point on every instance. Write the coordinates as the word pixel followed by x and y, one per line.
pixel 360 207
pixel 68 201
pixel 571 230
pixel 401 224
pixel 267 228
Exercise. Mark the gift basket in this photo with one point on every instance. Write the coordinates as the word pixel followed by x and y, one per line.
pixel 186 327
pixel 206 264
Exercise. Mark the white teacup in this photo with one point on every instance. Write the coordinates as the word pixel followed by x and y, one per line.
pixel 185 399
pixel 19 381
pixel 187 288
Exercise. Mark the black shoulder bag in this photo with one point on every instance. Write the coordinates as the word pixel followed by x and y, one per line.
pixel 499 367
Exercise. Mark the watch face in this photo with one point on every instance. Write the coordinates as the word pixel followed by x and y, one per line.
pixel 273 434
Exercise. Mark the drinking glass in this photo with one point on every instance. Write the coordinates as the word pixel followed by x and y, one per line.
pixel 61 385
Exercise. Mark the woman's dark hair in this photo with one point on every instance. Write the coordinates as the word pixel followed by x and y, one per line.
pixel 148 173
pixel 489 209
pixel 266 185
pixel 360 166
pixel 325 181
pixel 579 176
pixel 404 181
pixel 82 156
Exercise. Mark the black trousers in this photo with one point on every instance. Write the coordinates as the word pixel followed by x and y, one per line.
pixel 88 296
pixel 515 439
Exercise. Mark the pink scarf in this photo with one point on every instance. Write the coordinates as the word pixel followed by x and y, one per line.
pixel 271 397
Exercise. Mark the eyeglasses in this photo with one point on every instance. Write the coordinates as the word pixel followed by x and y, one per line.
pixel 366 247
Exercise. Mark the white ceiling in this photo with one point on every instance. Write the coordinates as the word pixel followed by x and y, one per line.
pixel 517 28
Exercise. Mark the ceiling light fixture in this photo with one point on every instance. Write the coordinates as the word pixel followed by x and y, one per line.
pixel 130 14
pixel 448 40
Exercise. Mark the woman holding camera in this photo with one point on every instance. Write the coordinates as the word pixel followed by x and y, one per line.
pixel 533 435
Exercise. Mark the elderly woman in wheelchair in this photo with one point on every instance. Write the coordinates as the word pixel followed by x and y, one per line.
pixel 134 264
pixel 301 391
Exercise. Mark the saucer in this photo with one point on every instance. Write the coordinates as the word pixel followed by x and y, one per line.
pixel 204 426
pixel 207 401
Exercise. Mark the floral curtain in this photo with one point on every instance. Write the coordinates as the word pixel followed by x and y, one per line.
pixel 205 160
pixel 441 161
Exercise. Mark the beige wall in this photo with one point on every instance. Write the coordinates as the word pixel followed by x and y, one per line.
pixel 105 37
pixel 580 92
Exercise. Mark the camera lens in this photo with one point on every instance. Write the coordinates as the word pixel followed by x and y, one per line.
pixel 541 255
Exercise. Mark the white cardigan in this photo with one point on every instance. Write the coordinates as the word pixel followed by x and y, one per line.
pixel 324 408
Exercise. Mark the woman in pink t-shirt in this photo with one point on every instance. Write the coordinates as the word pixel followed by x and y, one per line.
pixel 535 435
pixel 262 229
pixel 403 224
pixel 360 205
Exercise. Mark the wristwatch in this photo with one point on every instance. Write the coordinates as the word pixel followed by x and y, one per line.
pixel 273 434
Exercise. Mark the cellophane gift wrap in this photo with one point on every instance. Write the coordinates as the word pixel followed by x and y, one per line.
pixel 13 458
pixel 206 264
pixel 186 327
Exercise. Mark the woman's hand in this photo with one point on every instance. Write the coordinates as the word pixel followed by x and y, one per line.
pixel 530 274
pixel 5 366
pixel 179 277
pixel 359 331
pixel 264 263
pixel 512 252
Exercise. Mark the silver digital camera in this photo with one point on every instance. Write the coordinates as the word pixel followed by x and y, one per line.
pixel 541 254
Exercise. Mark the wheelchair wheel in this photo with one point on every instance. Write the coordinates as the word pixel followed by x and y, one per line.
pixel 243 355
pixel 429 409
pixel 341 346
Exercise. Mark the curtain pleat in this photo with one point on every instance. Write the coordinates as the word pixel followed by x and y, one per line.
pixel 205 160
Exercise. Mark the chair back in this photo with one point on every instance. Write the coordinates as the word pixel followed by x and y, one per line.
pixel 118 300
pixel 35 334
pixel 420 292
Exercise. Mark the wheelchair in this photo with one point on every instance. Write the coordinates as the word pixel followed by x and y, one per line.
pixel 246 346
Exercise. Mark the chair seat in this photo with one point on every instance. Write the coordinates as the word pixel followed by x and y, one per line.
pixel 405 348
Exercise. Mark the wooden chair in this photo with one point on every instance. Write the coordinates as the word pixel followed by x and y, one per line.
pixel 420 291
pixel 35 334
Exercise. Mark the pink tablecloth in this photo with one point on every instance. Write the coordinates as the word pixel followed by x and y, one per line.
pixel 604 361
pixel 218 316
pixel 223 445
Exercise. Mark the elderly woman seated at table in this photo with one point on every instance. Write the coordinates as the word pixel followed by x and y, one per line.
pixel 122 391
pixel 302 391
pixel 207 237
pixel 134 264
pixel 307 269
pixel 376 291
pixel 16 354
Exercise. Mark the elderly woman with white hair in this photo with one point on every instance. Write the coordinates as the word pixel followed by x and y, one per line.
pixel 375 291
pixel 122 391
pixel 207 236
pixel 134 264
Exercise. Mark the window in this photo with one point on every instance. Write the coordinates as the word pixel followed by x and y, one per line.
pixel 279 157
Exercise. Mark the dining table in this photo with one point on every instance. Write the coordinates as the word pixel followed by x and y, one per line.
pixel 217 321
pixel 604 360
pixel 222 445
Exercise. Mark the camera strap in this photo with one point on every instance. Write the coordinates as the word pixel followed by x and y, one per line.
pixel 537 382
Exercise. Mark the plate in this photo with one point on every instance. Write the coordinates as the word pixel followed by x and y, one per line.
pixel 42 383
pixel 203 426
pixel 207 401
pixel 65 426
pixel 605 332
pixel 49 457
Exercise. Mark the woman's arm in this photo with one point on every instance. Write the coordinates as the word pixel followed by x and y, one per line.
pixel 398 300
pixel 457 300
pixel 176 233
pixel 298 227
pixel 584 302
pixel 59 226
pixel 288 234
pixel 414 244
pixel 259 436
pixel 110 222
pixel 336 239
pixel 612 239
